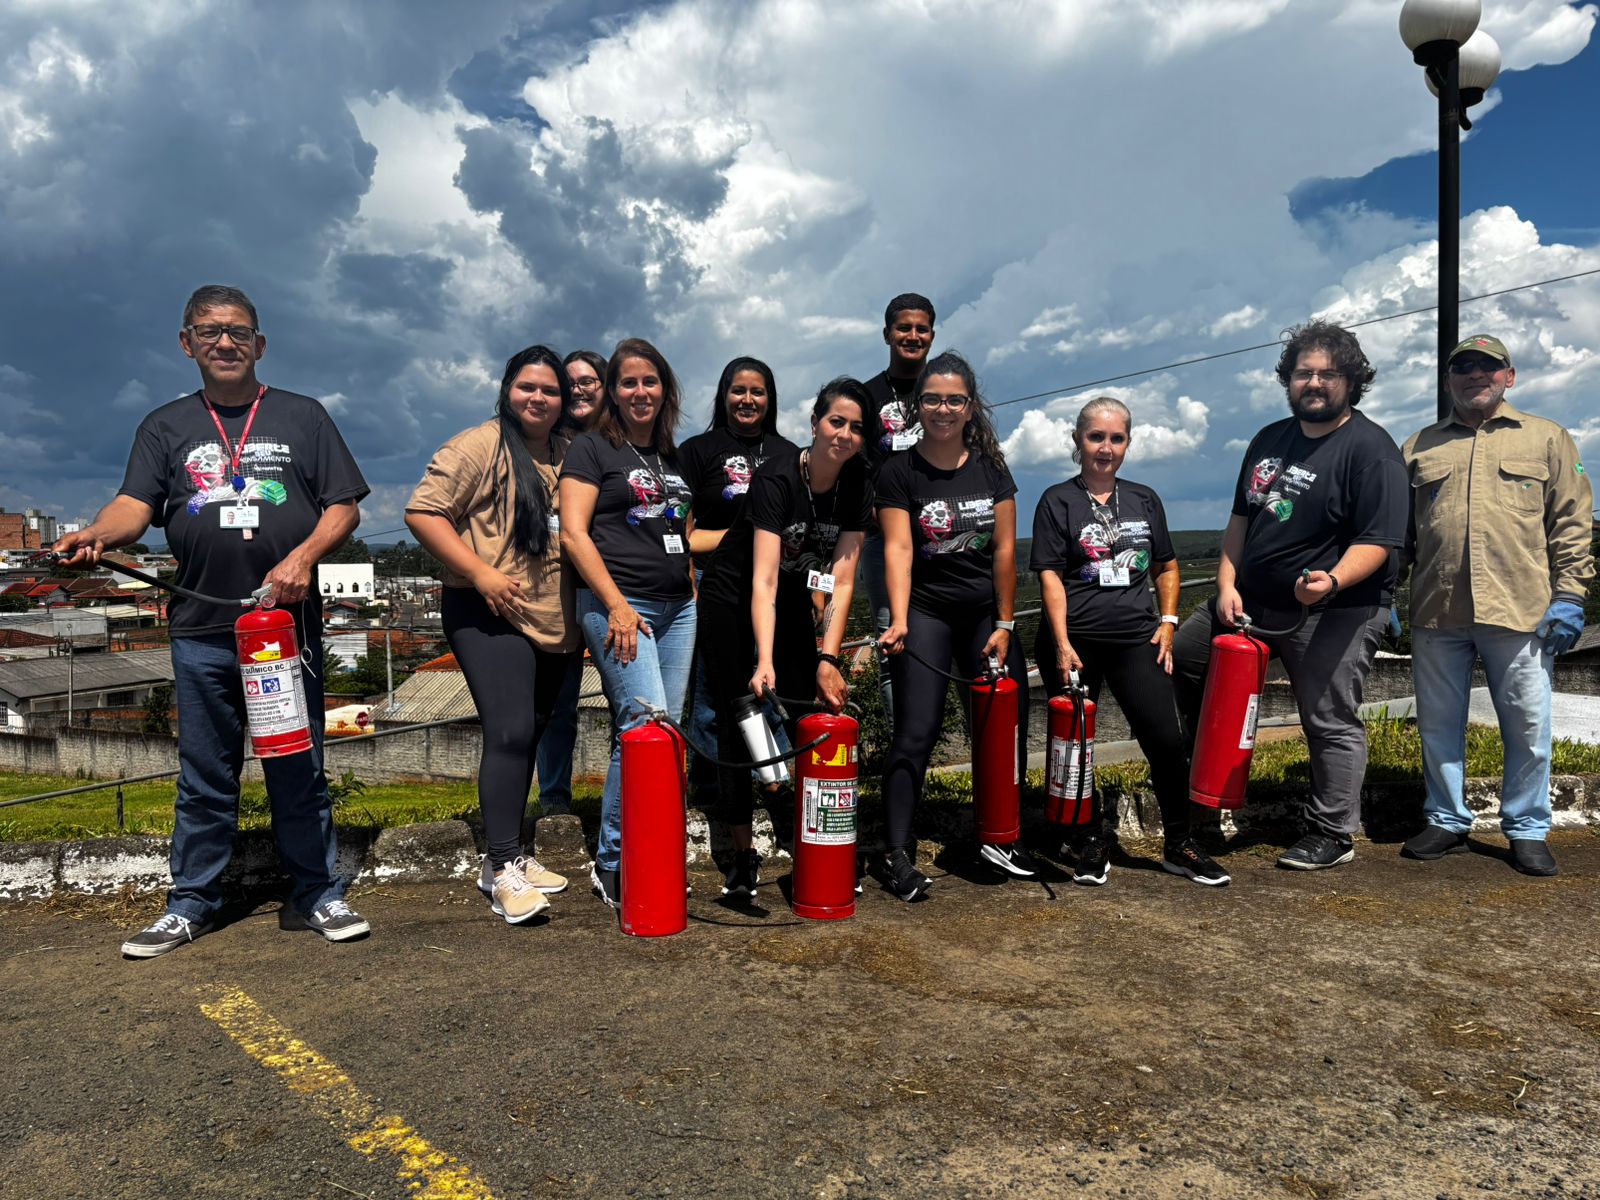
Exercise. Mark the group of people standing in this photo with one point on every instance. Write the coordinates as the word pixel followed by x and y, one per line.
pixel 723 566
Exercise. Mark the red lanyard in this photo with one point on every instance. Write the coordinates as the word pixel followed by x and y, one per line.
pixel 233 451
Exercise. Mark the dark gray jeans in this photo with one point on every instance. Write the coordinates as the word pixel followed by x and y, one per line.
pixel 1327 662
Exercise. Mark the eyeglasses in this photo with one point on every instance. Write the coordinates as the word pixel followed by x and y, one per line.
pixel 1313 376
pixel 1470 366
pixel 585 385
pixel 933 403
pixel 211 334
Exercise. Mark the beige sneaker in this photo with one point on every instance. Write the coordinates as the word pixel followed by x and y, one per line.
pixel 541 877
pixel 515 898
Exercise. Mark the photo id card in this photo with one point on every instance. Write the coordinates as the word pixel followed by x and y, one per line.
pixel 819 581
pixel 240 516
pixel 1113 576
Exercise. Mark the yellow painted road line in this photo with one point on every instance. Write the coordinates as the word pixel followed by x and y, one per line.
pixel 430 1174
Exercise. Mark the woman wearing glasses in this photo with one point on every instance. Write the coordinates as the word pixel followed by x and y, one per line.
pixel 1099 543
pixel 586 371
pixel 718 465
pixel 949 516
pixel 486 509
pixel 802 526
pixel 625 508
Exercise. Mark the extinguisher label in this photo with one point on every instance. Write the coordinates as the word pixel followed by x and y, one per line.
pixel 1068 778
pixel 830 812
pixel 272 697
pixel 1247 735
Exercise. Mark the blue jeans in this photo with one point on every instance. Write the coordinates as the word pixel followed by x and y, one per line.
pixel 878 598
pixel 659 674
pixel 1521 674
pixel 211 747
pixel 553 759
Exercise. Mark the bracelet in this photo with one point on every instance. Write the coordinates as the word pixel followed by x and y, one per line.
pixel 1169 618
pixel 1334 579
pixel 833 660
pixel 1008 626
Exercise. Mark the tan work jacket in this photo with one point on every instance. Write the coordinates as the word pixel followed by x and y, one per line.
pixel 1500 521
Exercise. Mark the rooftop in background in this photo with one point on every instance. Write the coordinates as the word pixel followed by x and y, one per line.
pixel 36 678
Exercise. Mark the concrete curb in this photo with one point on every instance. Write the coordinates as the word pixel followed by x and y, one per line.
pixel 449 850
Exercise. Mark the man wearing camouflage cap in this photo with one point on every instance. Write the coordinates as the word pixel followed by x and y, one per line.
pixel 1499 544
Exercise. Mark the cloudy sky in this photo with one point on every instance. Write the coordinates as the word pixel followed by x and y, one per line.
pixel 413 191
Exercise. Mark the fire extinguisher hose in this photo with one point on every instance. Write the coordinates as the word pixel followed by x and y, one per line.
pixel 165 585
pixel 658 715
pixel 1250 629
pixel 981 681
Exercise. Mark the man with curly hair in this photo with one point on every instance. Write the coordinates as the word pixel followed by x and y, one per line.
pixel 1319 516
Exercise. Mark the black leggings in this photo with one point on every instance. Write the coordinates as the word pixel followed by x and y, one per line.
pixel 515 686
pixel 727 642
pixel 950 640
pixel 1145 694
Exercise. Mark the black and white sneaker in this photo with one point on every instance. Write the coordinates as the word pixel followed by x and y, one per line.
pixel 1011 859
pixel 744 874
pixel 1316 851
pixel 1094 862
pixel 165 934
pixel 333 919
pixel 1194 863
pixel 607 884
pixel 902 878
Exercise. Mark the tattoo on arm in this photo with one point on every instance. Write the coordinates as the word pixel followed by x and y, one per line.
pixel 827 615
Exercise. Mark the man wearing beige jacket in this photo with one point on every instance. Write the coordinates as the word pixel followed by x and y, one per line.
pixel 1500 548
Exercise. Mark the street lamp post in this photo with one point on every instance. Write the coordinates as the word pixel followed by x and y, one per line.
pixel 1460 64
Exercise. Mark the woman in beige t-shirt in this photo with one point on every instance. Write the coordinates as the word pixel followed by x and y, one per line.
pixel 487 509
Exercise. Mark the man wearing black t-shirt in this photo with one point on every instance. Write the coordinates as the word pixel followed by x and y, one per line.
pixel 254 486
pixel 908 332
pixel 1319 514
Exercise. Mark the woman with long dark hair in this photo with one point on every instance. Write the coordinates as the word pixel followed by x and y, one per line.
pixel 718 466
pixel 586 371
pixel 949 515
pixel 1099 542
pixel 803 525
pixel 625 509
pixel 488 509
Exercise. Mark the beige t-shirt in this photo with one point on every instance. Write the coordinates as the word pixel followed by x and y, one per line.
pixel 465 485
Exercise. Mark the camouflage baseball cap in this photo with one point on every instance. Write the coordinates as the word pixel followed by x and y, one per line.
pixel 1482 343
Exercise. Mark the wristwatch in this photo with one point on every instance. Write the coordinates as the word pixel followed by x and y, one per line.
pixel 1169 618
pixel 1008 626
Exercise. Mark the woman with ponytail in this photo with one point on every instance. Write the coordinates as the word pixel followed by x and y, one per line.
pixel 487 510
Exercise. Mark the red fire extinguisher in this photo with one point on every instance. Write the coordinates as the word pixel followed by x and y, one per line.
pixel 1069 766
pixel 825 790
pixel 274 691
pixel 655 874
pixel 996 768
pixel 1226 739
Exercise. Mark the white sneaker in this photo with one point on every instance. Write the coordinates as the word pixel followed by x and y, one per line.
pixel 515 898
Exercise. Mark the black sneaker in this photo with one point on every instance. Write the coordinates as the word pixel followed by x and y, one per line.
pixel 1434 841
pixel 1532 856
pixel 1012 859
pixel 606 883
pixel 1094 862
pixel 1316 851
pixel 167 933
pixel 744 874
pixel 1188 860
pixel 333 919
pixel 902 878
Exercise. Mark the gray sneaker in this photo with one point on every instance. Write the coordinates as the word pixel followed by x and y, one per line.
pixel 165 934
pixel 333 919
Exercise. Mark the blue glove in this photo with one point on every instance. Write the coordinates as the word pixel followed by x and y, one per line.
pixel 1560 626
pixel 1394 625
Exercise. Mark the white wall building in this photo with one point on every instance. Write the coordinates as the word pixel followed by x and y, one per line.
pixel 345 581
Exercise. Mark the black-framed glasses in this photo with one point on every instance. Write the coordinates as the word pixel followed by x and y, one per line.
pixel 1469 366
pixel 1313 376
pixel 933 403
pixel 239 335
pixel 585 385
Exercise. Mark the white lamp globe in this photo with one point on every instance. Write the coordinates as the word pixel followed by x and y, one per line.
pixel 1423 21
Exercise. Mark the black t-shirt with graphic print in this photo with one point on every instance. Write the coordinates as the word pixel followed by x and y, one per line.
pixel 807 531
pixel 1310 499
pixel 1075 536
pixel 897 409
pixel 718 465
pixel 643 500
pixel 952 526
pixel 294 464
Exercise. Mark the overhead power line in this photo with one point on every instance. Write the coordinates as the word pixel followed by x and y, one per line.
pixel 1189 362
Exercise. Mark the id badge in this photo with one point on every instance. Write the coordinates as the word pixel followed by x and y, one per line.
pixel 902 441
pixel 819 581
pixel 240 516
pixel 673 542
pixel 1113 576
pixel 553 523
